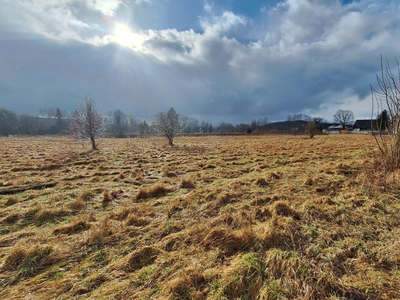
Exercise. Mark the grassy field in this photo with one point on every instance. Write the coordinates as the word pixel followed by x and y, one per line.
pixel 251 217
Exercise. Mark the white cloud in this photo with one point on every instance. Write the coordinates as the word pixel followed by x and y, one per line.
pixel 208 5
pixel 57 19
pixel 220 25
pixel 106 7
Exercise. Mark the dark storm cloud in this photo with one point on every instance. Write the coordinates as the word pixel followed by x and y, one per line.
pixel 303 56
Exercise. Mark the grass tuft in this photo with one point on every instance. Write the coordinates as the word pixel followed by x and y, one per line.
pixel 187 183
pixel 261 182
pixel 230 241
pixel 141 257
pixel 76 227
pixel 283 209
pixel 27 260
pixel 308 181
pixel 107 198
pixel 157 190
pixel 243 280
pixel 136 220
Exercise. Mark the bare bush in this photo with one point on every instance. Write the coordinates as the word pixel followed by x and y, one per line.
pixel 387 98
pixel 87 122
pixel 311 129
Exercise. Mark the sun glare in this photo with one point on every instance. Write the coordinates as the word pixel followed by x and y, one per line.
pixel 125 37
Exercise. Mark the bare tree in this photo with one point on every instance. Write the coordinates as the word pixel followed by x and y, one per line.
pixel 387 98
pixel 168 125
pixel 87 122
pixel 343 117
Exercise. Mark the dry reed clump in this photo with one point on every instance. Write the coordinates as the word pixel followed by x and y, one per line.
pixel 262 214
pixel 27 260
pixel 186 284
pixel 174 207
pixel 152 192
pixel 282 233
pixel 107 198
pixel 88 284
pixel 280 264
pixel 50 216
pixel 288 276
pixel 99 234
pixel 187 183
pixel 79 203
pixel 387 256
pixel 261 182
pixel 11 200
pixel 230 241
pixel 327 284
pixel 375 177
pixel 86 195
pixel 170 174
pixel 308 181
pixel 140 258
pixel 274 176
pixel 135 220
pixel 123 213
pixel 10 219
pixel 223 199
pixel 76 227
pixel 242 280
pixel 283 209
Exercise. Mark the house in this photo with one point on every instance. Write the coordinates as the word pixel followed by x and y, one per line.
pixel 365 125
pixel 334 128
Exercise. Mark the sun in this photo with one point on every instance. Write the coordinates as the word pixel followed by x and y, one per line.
pixel 125 37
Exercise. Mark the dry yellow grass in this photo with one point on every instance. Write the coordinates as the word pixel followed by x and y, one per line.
pixel 251 217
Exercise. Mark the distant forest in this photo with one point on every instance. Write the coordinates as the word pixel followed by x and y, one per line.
pixel 119 124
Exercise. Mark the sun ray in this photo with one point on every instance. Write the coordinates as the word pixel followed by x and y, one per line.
pixel 125 37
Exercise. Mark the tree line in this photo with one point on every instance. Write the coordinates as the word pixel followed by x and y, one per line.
pixel 86 122
pixel 115 124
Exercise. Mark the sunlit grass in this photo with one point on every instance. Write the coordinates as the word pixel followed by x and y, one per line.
pixel 266 217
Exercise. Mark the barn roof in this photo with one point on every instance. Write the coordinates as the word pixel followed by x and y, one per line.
pixel 366 124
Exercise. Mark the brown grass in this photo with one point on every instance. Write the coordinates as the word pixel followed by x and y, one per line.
pixel 27 260
pixel 249 217
pixel 76 227
pixel 141 257
pixel 187 183
pixel 107 198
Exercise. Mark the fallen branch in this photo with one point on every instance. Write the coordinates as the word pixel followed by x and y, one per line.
pixel 16 190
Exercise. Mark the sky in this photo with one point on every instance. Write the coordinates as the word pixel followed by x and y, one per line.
pixel 218 61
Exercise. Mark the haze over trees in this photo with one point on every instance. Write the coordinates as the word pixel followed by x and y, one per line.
pixel 119 125
pixel 8 121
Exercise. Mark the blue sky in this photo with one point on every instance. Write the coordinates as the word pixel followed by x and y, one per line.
pixel 225 60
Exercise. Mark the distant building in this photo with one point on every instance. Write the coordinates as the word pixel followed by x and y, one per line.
pixel 334 128
pixel 365 125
